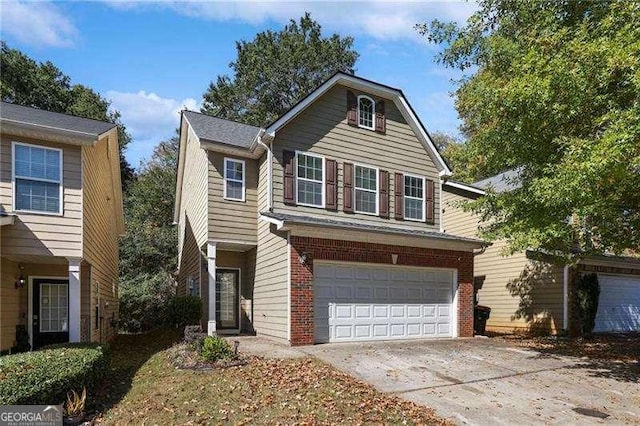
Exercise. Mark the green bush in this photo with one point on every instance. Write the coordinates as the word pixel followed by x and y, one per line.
pixel 45 376
pixel 143 301
pixel 215 348
pixel 588 292
pixel 183 311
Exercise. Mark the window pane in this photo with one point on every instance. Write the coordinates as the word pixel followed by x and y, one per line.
pixel 412 186
pixel 39 163
pixel 310 192
pixel 365 112
pixel 52 170
pixel 234 190
pixel 234 170
pixel 365 201
pixel 366 178
pixel 309 167
pixel 37 196
pixel 413 208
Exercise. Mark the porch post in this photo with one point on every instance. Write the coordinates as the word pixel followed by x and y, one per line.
pixel 74 299
pixel 211 269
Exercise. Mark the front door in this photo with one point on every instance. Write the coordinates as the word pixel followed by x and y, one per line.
pixel 227 299
pixel 50 312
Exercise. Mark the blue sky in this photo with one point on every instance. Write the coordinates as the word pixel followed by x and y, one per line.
pixel 151 59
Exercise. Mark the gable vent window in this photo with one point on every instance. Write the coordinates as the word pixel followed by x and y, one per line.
pixel 234 179
pixel 414 198
pixel 366 112
pixel 37 173
pixel 366 190
pixel 310 180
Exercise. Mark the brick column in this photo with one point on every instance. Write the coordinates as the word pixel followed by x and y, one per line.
pixel 302 327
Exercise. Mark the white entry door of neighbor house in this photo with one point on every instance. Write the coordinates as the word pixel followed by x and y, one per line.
pixel 619 303
pixel 359 302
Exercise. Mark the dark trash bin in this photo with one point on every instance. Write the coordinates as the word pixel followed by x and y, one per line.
pixel 480 317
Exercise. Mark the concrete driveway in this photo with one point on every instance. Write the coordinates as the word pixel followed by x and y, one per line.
pixel 486 382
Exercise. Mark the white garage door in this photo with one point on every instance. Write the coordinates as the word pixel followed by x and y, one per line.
pixel 357 302
pixel 619 303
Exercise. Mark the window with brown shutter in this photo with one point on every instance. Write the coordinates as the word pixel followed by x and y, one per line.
pixel 399 196
pixel 347 188
pixel 430 202
pixel 289 163
pixel 384 194
pixel 381 122
pixel 352 109
pixel 331 185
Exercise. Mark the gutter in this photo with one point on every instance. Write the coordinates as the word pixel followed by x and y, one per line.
pixel 83 137
pixel 269 169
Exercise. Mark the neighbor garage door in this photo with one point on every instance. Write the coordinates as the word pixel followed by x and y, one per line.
pixel 359 302
pixel 619 303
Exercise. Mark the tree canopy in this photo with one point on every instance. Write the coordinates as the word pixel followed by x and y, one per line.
pixel 23 81
pixel 276 70
pixel 555 94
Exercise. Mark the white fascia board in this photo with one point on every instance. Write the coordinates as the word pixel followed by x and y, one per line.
pixel 464 187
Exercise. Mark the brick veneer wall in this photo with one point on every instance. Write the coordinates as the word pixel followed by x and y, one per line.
pixel 302 326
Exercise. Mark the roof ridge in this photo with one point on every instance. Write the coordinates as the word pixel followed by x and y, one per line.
pixel 220 118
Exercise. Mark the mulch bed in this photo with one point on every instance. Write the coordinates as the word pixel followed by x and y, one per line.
pixel 183 357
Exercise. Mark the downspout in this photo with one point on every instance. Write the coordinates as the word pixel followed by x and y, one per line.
pixel 565 298
pixel 269 173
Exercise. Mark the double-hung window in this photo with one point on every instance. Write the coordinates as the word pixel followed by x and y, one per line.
pixel 310 180
pixel 366 112
pixel 366 190
pixel 37 174
pixel 234 179
pixel 414 207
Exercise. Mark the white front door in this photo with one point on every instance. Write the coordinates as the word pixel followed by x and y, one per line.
pixel 619 303
pixel 359 302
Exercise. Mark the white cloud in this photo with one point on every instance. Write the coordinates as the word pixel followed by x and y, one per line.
pixel 381 20
pixel 438 112
pixel 38 24
pixel 149 118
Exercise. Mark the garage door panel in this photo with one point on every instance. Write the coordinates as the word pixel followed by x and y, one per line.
pixel 360 302
pixel 618 304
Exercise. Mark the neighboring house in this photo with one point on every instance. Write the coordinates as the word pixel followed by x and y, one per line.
pixel 61 215
pixel 533 292
pixel 324 226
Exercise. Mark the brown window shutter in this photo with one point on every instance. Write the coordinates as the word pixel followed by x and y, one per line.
pixel 384 194
pixel 347 188
pixel 331 185
pixel 381 121
pixel 352 109
pixel 399 196
pixel 430 202
pixel 289 162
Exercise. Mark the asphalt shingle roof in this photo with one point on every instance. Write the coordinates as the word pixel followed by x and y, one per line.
pixel 219 130
pixel 503 182
pixel 40 117
pixel 308 220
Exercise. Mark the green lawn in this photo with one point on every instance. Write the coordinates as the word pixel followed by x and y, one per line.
pixel 145 389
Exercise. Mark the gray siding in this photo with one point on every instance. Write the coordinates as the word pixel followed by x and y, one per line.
pixel 322 129
pixel 228 219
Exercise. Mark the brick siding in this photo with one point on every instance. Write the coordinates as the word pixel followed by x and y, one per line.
pixel 302 327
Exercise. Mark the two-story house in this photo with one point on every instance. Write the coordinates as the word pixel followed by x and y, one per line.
pixel 532 291
pixel 324 226
pixel 60 218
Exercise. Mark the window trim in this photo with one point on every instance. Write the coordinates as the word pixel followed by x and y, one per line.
pixel 355 189
pixel 60 183
pixel 323 183
pixel 373 113
pixel 227 179
pixel 405 196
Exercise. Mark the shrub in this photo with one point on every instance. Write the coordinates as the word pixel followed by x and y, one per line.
pixel 215 348
pixel 588 292
pixel 183 311
pixel 143 301
pixel 45 376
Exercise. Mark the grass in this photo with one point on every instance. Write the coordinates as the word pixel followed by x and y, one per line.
pixel 146 389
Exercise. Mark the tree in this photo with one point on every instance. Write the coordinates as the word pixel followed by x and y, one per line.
pixel 555 95
pixel 451 149
pixel 276 70
pixel 42 85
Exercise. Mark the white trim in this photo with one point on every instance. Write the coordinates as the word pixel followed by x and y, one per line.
pixel 243 181
pixel 464 187
pixel 269 161
pixel 60 182
pixel 440 206
pixel 373 113
pixel 424 197
pixel 377 191
pixel 278 223
pixel 378 90
pixel 565 297
pixel 75 299
pixel 83 137
pixel 289 286
pixel 323 183
pixel 239 289
pixel 455 331
pixel 7 220
pixel 211 269
pixel 30 301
